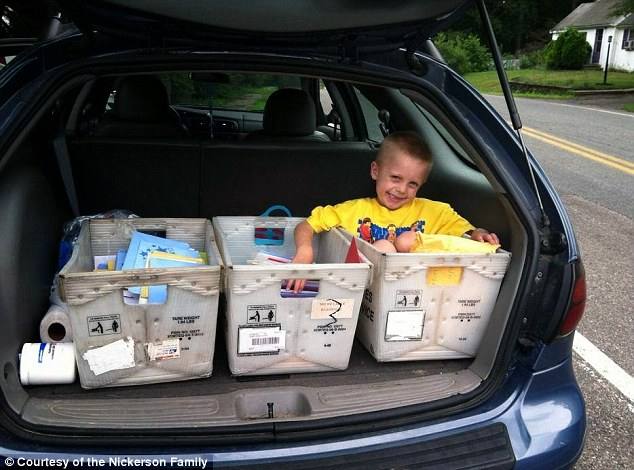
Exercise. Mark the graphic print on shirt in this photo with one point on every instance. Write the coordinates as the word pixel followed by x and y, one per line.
pixel 371 232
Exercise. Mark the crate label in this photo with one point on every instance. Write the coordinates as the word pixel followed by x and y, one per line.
pixel 168 349
pixel 332 327
pixel 408 299
pixel 467 310
pixel 261 340
pixel 114 356
pixel 444 275
pixel 332 309
pixel 104 325
pixel 181 334
pixel 184 336
pixel 261 313
pixel 366 311
pixel 404 325
pixel 186 319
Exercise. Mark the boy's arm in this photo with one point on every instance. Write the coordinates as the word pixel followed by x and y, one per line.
pixel 304 252
pixel 483 235
pixel 303 243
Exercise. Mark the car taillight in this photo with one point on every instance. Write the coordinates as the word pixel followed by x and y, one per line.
pixel 577 302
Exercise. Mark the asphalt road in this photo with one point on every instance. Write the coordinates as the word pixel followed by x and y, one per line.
pixel 587 150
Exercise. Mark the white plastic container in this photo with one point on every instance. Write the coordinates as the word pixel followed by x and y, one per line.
pixel 426 305
pixel 121 344
pixel 47 364
pixel 270 334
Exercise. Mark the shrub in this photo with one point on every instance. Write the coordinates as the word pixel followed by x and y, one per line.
pixel 463 53
pixel 532 59
pixel 569 51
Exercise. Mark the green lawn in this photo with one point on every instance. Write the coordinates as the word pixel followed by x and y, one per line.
pixel 629 107
pixel 245 98
pixel 487 82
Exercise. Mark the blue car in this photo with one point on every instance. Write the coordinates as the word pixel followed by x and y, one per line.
pixel 186 110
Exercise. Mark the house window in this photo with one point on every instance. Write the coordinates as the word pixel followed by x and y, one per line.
pixel 627 36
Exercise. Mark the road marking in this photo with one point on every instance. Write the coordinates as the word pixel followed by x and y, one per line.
pixel 612 158
pixel 600 157
pixel 630 115
pixel 588 108
pixel 605 366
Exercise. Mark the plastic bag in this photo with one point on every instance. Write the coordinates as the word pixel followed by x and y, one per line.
pixel 72 228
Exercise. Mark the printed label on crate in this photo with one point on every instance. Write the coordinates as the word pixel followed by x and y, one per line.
pixel 186 319
pixel 113 356
pixel 366 311
pixel 103 325
pixel 332 309
pixel 184 336
pixel 168 349
pixel 185 331
pixel 468 309
pixel 261 340
pixel 330 328
pixel 408 299
pixel 261 313
pixel 404 325
pixel 444 275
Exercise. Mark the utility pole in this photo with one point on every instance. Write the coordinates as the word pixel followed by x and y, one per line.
pixel 607 61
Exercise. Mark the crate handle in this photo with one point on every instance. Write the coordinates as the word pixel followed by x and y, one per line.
pixel 271 236
pixel 274 208
pixel 143 277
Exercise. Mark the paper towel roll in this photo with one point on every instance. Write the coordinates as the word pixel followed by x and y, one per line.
pixel 55 326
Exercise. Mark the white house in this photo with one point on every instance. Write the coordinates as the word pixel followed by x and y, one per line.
pixel 601 26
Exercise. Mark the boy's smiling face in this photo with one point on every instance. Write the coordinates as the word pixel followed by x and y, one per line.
pixel 398 177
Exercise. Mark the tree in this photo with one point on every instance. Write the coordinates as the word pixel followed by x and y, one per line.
pixel 569 51
pixel 518 24
pixel 624 7
pixel 463 53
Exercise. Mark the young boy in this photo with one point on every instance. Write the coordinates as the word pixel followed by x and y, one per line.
pixel 400 169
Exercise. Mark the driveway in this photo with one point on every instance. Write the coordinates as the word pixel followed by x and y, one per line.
pixel 608 101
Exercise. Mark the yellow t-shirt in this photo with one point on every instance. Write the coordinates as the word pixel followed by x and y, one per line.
pixel 371 221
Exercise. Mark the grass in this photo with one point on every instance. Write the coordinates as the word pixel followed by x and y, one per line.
pixel 629 107
pixel 245 98
pixel 487 82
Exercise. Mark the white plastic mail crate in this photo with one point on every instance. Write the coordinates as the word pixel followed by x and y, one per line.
pixel 270 334
pixel 121 344
pixel 428 305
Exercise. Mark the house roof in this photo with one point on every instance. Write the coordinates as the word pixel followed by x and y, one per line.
pixel 595 14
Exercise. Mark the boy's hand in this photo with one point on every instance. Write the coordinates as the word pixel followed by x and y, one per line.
pixel 482 235
pixel 304 255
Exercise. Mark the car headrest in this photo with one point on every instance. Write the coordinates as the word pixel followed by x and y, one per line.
pixel 141 98
pixel 289 112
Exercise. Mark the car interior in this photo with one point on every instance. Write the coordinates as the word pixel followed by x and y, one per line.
pixel 225 142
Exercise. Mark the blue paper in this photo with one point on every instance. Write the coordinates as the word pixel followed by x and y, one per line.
pixel 158 294
pixel 142 244
pixel 120 259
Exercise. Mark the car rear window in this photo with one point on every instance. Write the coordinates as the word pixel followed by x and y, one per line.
pixel 231 91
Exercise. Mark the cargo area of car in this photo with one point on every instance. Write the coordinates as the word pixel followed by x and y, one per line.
pixel 183 176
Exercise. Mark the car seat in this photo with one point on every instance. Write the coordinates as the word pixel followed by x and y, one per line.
pixel 140 109
pixel 289 114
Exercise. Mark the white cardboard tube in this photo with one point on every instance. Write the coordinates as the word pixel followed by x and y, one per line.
pixel 47 363
pixel 55 326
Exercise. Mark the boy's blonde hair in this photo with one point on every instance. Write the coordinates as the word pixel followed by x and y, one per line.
pixel 408 142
